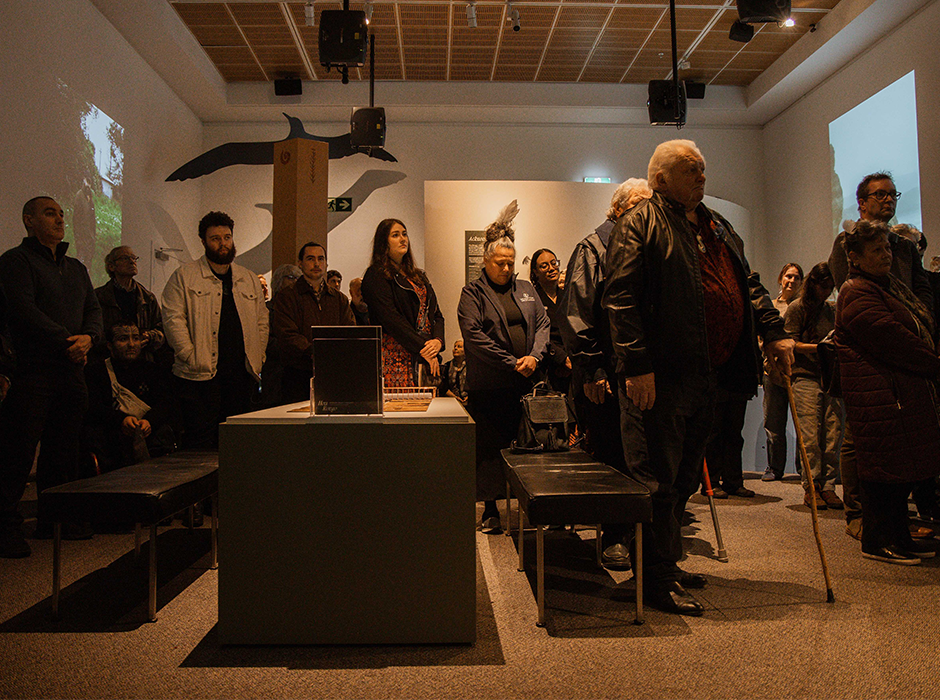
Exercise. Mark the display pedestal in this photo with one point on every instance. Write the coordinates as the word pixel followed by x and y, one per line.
pixel 346 529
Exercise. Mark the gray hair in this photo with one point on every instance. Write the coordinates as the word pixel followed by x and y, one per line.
pixel 489 250
pixel 281 274
pixel 628 195
pixel 667 154
pixel 112 257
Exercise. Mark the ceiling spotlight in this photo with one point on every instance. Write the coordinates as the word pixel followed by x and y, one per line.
pixel 368 10
pixel 788 22
pixel 309 14
pixel 514 16
pixel 472 15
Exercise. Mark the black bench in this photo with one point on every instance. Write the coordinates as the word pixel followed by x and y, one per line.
pixel 143 494
pixel 563 488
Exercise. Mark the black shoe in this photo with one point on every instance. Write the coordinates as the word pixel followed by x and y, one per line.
pixel 671 597
pixel 687 580
pixel 921 550
pixel 742 492
pixel 13 545
pixel 616 557
pixel 491 525
pixel 719 492
pixel 891 556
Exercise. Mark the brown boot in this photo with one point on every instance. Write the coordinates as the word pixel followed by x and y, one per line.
pixel 820 503
pixel 832 500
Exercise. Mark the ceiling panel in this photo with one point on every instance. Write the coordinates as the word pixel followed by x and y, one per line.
pixel 602 41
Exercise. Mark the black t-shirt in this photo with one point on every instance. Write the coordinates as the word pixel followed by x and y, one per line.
pixel 127 302
pixel 231 341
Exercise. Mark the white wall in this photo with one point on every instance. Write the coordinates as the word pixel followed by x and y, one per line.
pixel 796 144
pixel 69 40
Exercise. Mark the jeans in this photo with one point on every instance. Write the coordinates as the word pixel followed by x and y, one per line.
pixel 821 419
pixel 848 466
pixel 44 405
pixel 776 409
pixel 676 429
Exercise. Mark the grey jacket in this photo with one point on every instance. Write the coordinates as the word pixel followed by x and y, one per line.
pixel 485 331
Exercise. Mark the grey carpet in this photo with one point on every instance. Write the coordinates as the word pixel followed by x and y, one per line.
pixel 767 631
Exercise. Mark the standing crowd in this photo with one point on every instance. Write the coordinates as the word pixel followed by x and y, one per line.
pixel 658 330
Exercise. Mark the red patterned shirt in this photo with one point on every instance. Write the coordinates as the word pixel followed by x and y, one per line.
pixel 724 300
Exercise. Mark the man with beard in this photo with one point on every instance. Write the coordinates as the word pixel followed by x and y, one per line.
pixel 216 321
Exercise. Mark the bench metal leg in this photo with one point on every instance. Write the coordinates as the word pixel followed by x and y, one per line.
pixel 191 513
pixel 639 572
pixel 214 564
pixel 599 545
pixel 137 531
pixel 540 573
pixel 56 567
pixel 521 540
pixel 152 598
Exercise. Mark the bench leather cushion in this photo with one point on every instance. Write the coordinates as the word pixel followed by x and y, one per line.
pixel 144 493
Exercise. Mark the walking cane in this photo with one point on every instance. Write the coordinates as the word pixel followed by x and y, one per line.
pixel 722 553
pixel 830 598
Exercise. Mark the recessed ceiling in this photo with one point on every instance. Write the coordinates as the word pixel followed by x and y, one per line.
pixel 567 41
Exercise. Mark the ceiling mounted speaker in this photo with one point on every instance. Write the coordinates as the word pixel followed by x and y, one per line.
pixel 694 90
pixel 741 32
pixel 757 11
pixel 343 38
pixel 367 126
pixel 288 86
pixel 663 105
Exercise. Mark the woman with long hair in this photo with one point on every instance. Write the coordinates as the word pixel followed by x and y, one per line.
pixel 400 298
pixel 809 319
pixel 889 370
pixel 545 276
pixel 776 403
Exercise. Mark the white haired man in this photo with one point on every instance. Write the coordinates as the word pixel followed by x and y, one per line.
pixel 685 311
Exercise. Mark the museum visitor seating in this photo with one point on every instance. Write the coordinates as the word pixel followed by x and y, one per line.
pixel 143 494
pixel 566 488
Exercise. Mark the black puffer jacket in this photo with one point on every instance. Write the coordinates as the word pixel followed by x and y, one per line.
pixel 653 294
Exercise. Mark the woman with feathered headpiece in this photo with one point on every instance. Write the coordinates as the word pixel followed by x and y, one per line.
pixel 505 332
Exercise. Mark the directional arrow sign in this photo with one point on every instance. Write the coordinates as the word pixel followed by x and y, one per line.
pixel 339 204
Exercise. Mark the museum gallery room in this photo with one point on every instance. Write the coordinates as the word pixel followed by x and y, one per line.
pixel 342 552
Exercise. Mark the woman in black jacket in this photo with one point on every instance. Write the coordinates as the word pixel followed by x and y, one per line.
pixel 401 300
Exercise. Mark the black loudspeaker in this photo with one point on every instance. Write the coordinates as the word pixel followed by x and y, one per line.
pixel 741 32
pixel 756 11
pixel 662 103
pixel 367 126
pixel 288 86
pixel 344 38
pixel 694 90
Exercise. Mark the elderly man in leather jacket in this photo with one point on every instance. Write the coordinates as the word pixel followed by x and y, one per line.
pixel 685 311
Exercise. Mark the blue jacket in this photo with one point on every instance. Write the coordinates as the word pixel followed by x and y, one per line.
pixel 485 331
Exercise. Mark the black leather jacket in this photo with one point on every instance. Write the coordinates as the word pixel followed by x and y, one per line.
pixel 582 322
pixel 654 297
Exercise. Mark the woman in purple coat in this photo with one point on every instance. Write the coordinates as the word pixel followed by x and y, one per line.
pixel 889 369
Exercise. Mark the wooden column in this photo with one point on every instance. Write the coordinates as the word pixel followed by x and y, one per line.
pixel 301 169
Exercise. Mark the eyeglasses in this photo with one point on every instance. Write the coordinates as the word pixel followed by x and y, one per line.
pixel 550 263
pixel 129 258
pixel 883 195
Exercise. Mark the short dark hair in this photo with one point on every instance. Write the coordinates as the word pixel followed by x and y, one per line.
pixel 109 332
pixel 300 254
pixel 215 218
pixel 330 274
pixel 863 233
pixel 862 190
pixel 29 209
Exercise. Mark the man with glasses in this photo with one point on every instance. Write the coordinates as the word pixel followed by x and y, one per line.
pixel 122 298
pixel 877 199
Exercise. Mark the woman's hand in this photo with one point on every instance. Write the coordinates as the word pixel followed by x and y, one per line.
pixel 430 350
pixel 526 365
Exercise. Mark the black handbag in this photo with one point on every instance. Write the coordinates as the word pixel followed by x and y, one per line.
pixel 544 423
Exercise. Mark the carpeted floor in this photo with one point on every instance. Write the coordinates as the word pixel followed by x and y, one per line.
pixel 767 631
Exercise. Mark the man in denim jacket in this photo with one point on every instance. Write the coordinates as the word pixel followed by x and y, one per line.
pixel 215 319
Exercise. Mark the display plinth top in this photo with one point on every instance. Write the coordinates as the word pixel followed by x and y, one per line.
pixel 442 410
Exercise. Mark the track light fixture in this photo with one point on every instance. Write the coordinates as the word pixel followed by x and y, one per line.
pixel 514 16
pixel 368 11
pixel 472 14
pixel 309 14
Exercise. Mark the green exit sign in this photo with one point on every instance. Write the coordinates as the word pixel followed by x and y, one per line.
pixel 339 204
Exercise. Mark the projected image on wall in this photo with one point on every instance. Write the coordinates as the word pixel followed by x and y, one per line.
pixel 91 182
pixel 880 134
